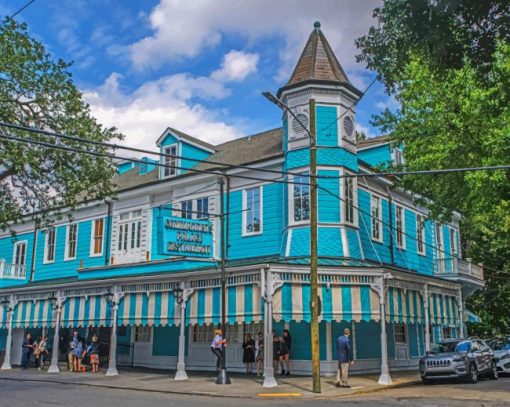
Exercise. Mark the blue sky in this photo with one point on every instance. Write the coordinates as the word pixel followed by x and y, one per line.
pixel 199 65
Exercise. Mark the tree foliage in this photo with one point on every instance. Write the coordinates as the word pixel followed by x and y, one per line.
pixel 449 69
pixel 36 90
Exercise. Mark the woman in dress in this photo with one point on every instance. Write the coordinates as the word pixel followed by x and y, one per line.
pixel 248 352
pixel 259 353
pixel 286 343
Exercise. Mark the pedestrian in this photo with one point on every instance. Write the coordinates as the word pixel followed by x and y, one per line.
pixel 345 359
pixel 70 351
pixel 217 347
pixel 43 352
pixel 93 352
pixel 259 353
pixel 78 354
pixel 285 352
pixel 27 348
pixel 276 351
pixel 248 353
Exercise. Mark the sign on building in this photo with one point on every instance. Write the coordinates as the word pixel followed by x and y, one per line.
pixel 187 237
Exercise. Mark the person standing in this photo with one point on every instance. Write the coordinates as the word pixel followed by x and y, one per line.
pixel 43 352
pixel 70 351
pixel 93 352
pixel 259 355
pixel 78 354
pixel 27 348
pixel 285 352
pixel 345 359
pixel 217 347
pixel 248 352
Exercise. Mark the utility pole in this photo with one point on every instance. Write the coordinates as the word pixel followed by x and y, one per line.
pixel 314 325
pixel 223 375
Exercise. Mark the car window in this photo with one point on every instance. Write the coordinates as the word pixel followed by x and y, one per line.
pixel 443 347
pixel 501 345
pixel 463 346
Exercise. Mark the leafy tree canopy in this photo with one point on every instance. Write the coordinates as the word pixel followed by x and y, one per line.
pixel 448 65
pixel 36 90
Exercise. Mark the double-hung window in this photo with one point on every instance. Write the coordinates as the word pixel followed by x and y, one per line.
pixel 187 209
pixel 20 258
pixel 203 208
pixel 170 161
pixel 301 198
pixel 252 210
pixel 439 241
pixel 71 241
pixel 97 237
pixel 400 226
pixel 349 201
pixel 49 245
pixel 453 242
pixel 420 234
pixel 375 204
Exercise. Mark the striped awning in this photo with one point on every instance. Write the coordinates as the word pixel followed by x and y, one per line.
pixel 339 303
pixel 86 311
pixel 404 306
pixel 32 314
pixel 443 310
pixel 3 316
pixel 471 317
pixel 243 305
pixel 148 309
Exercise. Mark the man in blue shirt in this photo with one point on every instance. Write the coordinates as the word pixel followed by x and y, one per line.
pixel 345 359
pixel 27 348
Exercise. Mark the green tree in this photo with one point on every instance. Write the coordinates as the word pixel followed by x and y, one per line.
pixel 447 63
pixel 37 90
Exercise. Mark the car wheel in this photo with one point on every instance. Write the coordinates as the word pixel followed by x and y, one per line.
pixel 494 371
pixel 473 374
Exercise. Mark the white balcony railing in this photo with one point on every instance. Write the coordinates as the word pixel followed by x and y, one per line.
pixel 453 265
pixel 12 271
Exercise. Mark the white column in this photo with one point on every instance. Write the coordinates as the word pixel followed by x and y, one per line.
pixel 8 344
pixel 56 335
pixel 112 362
pixel 353 340
pixel 460 301
pixel 385 377
pixel 329 342
pixel 269 380
pixel 425 294
pixel 181 366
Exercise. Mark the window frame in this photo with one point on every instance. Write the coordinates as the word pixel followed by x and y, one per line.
pixel 187 210
pixel 439 241
pixel 245 211
pixel 343 207
pixel 376 220
pixel 169 161
pixel 401 334
pixel 93 237
pixel 201 215
pixel 66 250
pixel 421 235
pixel 402 231
pixel 16 244
pixel 292 220
pixel 454 250
pixel 46 245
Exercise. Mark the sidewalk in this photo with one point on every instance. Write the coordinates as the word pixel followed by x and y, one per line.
pixel 203 383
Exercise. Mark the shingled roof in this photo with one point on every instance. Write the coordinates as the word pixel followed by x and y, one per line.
pixel 317 64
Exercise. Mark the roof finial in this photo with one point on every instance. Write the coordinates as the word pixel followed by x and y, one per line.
pixel 317 26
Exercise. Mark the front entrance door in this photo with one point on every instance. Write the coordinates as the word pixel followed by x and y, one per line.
pixel 401 345
pixel 142 345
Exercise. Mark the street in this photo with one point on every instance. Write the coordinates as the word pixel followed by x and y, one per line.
pixel 29 393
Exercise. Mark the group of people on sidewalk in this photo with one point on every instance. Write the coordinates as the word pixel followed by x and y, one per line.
pixel 79 354
pixel 38 349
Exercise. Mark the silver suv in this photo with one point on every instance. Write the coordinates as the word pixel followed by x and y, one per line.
pixel 459 358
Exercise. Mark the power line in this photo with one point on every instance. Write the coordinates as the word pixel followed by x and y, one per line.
pixel 21 9
pixel 429 172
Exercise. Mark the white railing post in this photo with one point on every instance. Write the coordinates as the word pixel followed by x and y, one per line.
pixel 425 296
pixel 271 285
pixel 112 362
pixel 56 336
pixel 8 344
pixel 384 377
pixel 181 364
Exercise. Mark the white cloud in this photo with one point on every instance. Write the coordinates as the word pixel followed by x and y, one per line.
pixel 184 28
pixel 365 130
pixel 236 66
pixel 144 113
pixel 390 103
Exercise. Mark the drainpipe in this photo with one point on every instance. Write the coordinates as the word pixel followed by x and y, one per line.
pixel 34 252
pixel 390 203
pixel 108 233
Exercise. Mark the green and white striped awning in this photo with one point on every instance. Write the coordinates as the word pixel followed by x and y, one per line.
pixel 33 314
pixel 443 310
pixel 148 309
pixel 339 303
pixel 3 316
pixel 86 311
pixel 404 306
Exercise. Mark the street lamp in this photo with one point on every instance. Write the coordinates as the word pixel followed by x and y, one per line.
pixel 178 295
pixel 314 324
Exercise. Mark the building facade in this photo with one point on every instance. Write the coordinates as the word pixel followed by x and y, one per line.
pixel 386 271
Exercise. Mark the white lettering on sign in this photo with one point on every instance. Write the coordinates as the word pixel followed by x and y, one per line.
pixel 188 237
pixel 193 227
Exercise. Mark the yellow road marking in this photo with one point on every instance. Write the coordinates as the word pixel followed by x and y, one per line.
pixel 279 394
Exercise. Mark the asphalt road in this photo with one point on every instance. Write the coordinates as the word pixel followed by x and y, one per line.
pixel 26 394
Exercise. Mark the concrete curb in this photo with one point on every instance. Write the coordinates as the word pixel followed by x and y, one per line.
pixel 210 394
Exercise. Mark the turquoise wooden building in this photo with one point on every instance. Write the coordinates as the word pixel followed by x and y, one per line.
pixel 393 276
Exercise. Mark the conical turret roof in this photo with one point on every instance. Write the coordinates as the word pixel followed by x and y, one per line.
pixel 317 64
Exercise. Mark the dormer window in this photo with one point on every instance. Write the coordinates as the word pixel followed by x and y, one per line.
pixel 170 161
pixel 348 127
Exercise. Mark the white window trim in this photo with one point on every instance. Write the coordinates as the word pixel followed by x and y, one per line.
pixel 439 239
pixel 245 212
pixel 423 237
pixel 455 253
pixel 195 206
pixel 45 259
pixel 292 221
pixel 379 219
pixel 177 160
pixel 92 254
pixel 402 246
pixel 66 258
pixel 19 242
pixel 343 202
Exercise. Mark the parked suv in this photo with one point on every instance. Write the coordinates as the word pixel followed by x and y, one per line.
pixel 501 348
pixel 459 359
